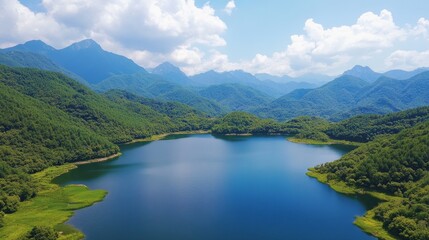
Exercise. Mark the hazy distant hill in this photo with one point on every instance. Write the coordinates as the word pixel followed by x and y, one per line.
pixel 235 96
pixel 154 86
pixel 366 73
pixel 171 73
pixel 348 96
pixel 313 79
pixel 274 89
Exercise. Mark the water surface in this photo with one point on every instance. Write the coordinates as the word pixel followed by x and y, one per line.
pixel 203 187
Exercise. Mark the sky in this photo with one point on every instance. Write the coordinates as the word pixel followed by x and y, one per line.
pixel 278 37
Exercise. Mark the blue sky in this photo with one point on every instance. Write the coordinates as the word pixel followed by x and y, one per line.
pixel 270 23
pixel 273 36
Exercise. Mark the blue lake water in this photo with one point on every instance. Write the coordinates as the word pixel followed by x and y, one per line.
pixel 203 187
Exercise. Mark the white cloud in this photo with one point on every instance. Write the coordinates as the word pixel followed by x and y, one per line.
pixel 332 50
pixel 153 31
pixel 161 28
pixel 408 60
pixel 230 6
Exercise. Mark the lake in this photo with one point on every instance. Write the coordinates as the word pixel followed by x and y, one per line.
pixel 204 187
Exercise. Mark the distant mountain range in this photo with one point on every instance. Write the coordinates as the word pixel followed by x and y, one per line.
pixel 358 90
pixel 369 75
pixel 348 96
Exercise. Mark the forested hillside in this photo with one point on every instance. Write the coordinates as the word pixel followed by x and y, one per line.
pixel 235 97
pixel 364 128
pixel 398 165
pixel 153 86
pixel 349 96
pixel 49 119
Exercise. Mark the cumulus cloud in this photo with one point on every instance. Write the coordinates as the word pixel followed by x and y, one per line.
pixel 230 6
pixel 408 60
pixel 333 49
pixel 154 31
pixel 163 28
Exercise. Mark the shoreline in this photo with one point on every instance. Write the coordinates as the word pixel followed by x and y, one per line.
pixel 366 222
pixel 318 142
pixel 95 160
pixel 163 135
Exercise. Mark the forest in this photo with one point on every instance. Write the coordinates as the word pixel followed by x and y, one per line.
pixel 49 119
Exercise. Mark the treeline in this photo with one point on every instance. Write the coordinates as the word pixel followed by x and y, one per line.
pixel 246 123
pixel 397 165
pixel 49 119
pixel 365 128
pixel 393 160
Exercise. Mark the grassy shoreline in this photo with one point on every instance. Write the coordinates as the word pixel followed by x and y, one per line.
pixel 161 136
pixel 318 142
pixel 52 206
pixel 367 222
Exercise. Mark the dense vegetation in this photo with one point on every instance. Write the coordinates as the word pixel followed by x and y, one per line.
pixel 235 97
pixel 49 119
pixel 395 164
pixel 364 128
pixel 153 86
pixel 349 96
pixel 246 123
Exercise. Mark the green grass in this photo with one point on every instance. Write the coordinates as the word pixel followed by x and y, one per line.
pixel 319 142
pixel 367 222
pixel 52 206
pixel 371 226
pixel 164 135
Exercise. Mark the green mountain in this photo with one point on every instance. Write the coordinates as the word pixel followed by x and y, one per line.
pixel 331 98
pixel 103 116
pixel 235 97
pixel 397 165
pixel 365 128
pixel 85 59
pixel 348 96
pixel 49 119
pixel 34 60
pixel 184 117
pixel 154 86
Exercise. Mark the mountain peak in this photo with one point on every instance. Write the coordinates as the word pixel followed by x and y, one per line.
pixel 34 46
pixel 85 44
pixel 166 67
pixel 363 72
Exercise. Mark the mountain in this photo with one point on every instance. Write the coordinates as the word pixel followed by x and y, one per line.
pixel 396 165
pixel 49 119
pixel 313 79
pixel 364 128
pixel 235 97
pixel 171 73
pixel 106 118
pixel 364 73
pixel 154 86
pixel 85 58
pixel 268 87
pixel 369 75
pixel 324 101
pixel 348 96
pixel 34 60
pixel 402 75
